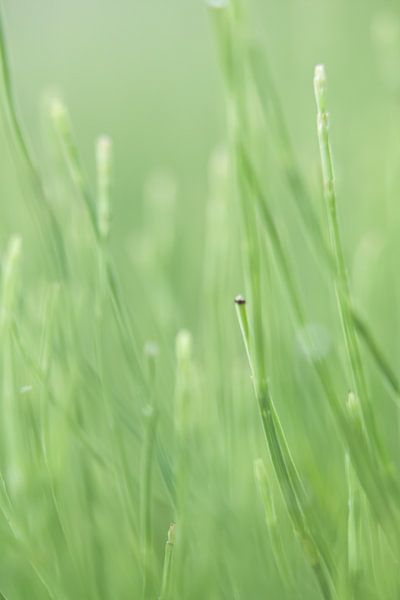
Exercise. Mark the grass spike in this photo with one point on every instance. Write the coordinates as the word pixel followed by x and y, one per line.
pixel 166 582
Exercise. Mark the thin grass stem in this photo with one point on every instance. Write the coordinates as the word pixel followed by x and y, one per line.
pixel 166 583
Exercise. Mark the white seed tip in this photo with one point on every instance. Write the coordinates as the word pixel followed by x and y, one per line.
pixel 240 300
pixel 320 78
pixel 217 3
pixel 104 143
pixel 353 406
pixel 320 87
pixel 13 251
pixel 103 152
pixel 184 343
pixel 15 244
pixel 57 109
pixel 352 400
pixel 171 533
pixel 320 72
pixel 219 162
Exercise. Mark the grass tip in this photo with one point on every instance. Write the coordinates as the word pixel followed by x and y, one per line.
pixel 219 162
pixel 320 72
pixel 57 108
pixel 353 407
pixel 103 150
pixel 11 254
pixel 184 342
pixel 320 87
pixel 217 4
pixel 104 142
pixel 240 300
pixel 14 245
pixel 171 534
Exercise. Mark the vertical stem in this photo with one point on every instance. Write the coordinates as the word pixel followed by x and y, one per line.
pixel 151 417
pixel 104 168
pixel 146 500
pixel 341 283
pixel 353 528
pixel 167 569
pixel 288 480
pixel 10 406
pixel 183 395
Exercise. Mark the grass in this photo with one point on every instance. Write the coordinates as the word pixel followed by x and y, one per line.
pixel 253 457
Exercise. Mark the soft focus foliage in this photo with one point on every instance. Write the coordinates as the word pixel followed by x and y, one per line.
pixel 157 159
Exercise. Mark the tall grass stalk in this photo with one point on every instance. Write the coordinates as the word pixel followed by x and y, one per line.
pixel 167 569
pixel 150 415
pixel 354 528
pixel 183 411
pixel 285 471
pixel 378 461
pixel 342 284
pixel 11 431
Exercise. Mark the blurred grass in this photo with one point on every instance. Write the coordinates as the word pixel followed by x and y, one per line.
pixel 113 423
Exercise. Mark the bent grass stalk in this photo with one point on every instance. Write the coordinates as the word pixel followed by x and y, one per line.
pixel 365 462
pixel 285 471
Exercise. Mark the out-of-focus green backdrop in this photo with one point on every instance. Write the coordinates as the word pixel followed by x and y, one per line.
pixel 147 74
